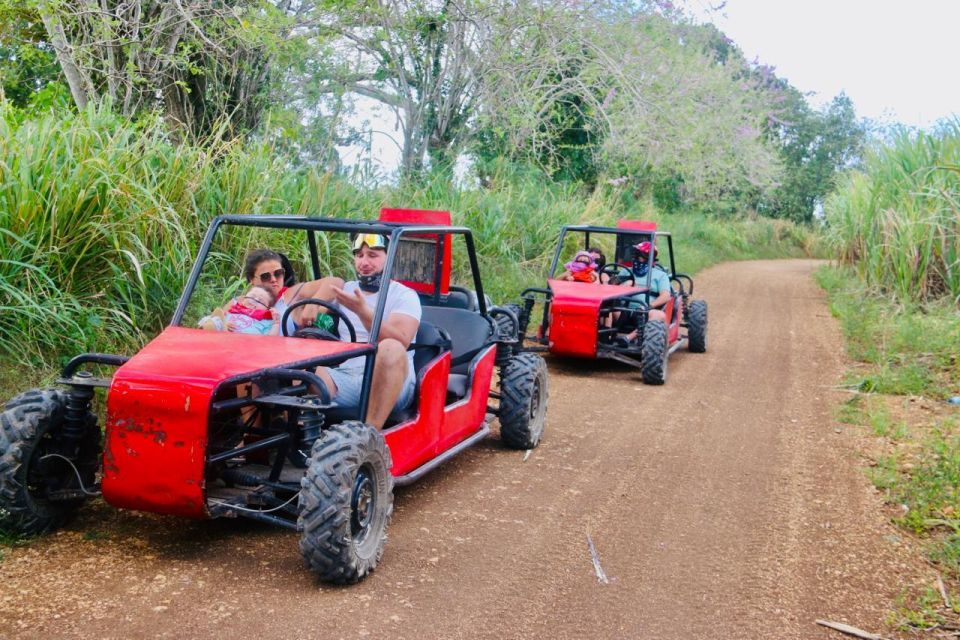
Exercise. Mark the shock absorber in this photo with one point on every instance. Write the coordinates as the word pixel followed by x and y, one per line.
pixel 524 316
pixel 311 422
pixel 75 419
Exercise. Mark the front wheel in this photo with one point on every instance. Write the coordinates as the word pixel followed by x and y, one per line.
pixel 523 400
pixel 346 500
pixel 40 488
pixel 653 353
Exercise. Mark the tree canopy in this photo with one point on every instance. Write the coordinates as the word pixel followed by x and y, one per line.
pixel 590 91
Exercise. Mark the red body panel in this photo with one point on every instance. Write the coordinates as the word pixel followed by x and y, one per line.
pixel 638 225
pixel 436 427
pixel 465 417
pixel 574 314
pixel 413 443
pixel 157 412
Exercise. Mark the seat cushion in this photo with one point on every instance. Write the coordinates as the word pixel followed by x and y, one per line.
pixel 457 384
pixel 469 332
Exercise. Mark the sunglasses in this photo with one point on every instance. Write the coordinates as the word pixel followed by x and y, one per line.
pixel 372 240
pixel 267 276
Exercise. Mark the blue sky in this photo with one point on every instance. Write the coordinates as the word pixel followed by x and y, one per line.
pixel 897 60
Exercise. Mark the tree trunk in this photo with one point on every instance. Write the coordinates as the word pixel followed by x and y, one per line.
pixel 81 88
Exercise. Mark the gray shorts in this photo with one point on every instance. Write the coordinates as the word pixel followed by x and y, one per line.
pixel 349 383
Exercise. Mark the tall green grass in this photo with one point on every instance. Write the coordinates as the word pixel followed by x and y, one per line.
pixel 898 219
pixel 101 219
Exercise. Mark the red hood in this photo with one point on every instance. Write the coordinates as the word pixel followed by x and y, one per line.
pixel 206 358
pixel 158 412
pixel 586 291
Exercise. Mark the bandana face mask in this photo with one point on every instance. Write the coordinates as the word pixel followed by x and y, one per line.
pixel 371 283
pixel 640 267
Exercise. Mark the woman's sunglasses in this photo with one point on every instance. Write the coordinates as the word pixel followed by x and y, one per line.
pixel 267 276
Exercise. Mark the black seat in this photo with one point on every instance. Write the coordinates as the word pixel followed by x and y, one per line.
pixel 469 332
pixel 429 343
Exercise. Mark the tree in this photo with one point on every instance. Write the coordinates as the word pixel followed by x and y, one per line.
pixel 657 103
pixel 426 60
pixel 815 146
pixel 205 64
pixel 28 63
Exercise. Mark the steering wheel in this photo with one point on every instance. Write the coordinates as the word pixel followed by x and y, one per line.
pixel 619 271
pixel 316 332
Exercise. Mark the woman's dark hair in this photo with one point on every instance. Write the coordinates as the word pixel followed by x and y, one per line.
pixel 601 260
pixel 289 275
pixel 254 258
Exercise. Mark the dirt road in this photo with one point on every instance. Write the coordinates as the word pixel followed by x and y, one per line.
pixel 726 504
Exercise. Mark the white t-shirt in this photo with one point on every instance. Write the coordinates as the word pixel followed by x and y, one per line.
pixel 400 299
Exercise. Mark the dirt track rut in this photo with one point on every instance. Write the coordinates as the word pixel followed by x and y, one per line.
pixel 726 504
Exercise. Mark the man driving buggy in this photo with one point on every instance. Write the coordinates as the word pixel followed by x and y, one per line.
pixel 659 283
pixel 393 374
pixel 659 280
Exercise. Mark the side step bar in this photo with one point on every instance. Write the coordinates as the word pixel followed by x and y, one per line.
pixel 427 467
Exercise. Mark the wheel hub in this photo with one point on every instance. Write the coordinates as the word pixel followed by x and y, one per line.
pixel 361 504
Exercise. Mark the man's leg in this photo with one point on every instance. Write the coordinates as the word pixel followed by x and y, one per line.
pixel 324 375
pixel 389 374
pixel 653 314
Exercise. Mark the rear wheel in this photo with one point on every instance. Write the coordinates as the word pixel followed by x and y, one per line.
pixel 523 400
pixel 653 353
pixel 697 326
pixel 346 500
pixel 507 330
pixel 39 488
pixel 505 326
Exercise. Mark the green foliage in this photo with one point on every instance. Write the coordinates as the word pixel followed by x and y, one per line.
pixel 896 220
pixel 923 612
pixel 99 217
pixel 814 146
pixel 851 411
pixel 912 349
pixel 28 65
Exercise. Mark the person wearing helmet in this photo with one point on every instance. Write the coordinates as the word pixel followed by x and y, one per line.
pixel 393 375
pixel 659 281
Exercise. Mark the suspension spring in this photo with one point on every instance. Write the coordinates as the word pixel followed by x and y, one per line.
pixel 311 422
pixel 524 317
pixel 75 417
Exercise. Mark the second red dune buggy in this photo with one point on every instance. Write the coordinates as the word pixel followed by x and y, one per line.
pixel 204 424
pixel 609 318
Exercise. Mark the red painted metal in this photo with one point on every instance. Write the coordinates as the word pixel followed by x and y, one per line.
pixel 425 216
pixel 158 412
pixel 464 418
pixel 414 442
pixel 437 428
pixel 637 225
pixel 575 312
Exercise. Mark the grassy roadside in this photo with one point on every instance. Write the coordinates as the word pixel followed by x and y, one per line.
pixel 906 370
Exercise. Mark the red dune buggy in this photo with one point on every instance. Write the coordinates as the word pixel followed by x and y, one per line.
pixel 609 318
pixel 204 424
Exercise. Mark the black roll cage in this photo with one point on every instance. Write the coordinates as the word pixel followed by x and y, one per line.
pixel 312 225
pixel 649 234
